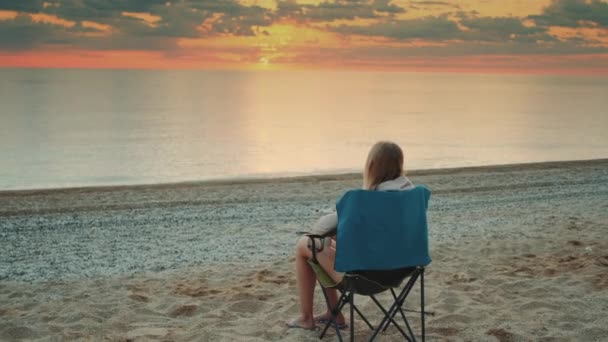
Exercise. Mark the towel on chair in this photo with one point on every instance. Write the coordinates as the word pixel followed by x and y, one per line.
pixel 382 230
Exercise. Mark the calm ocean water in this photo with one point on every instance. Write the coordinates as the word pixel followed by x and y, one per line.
pixel 61 128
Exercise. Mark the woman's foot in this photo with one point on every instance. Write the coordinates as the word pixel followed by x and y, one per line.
pixel 301 324
pixel 325 317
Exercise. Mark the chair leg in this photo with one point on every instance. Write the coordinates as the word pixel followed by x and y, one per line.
pixel 406 290
pixel 351 299
pixel 403 295
pixel 388 318
pixel 333 313
pixel 422 304
pixel 407 324
pixel 364 318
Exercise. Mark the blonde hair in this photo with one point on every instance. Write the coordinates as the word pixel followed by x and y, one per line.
pixel 384 162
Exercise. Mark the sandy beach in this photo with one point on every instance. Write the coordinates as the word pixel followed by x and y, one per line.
pixel 519 252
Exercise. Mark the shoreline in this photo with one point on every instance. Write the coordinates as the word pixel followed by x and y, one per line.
pixel 303 178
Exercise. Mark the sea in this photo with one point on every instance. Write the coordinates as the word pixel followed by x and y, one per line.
pixel 73 127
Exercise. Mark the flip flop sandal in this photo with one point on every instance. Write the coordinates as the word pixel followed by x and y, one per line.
pixel 324 321
pixel 295 324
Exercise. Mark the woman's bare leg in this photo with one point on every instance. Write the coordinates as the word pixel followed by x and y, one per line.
pixel 327 260
pixel 306 281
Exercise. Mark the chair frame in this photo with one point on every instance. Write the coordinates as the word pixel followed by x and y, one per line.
pixel 348 290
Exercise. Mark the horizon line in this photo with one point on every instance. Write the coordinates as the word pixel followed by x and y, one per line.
pixel 594 72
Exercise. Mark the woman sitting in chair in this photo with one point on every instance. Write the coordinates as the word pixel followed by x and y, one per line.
pixel 383 171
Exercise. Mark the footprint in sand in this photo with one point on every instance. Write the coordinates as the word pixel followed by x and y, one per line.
pixel 600 281
pixel 452 319
pixel 263 273
pixel 550 272
pixel 266 276
pixel 240 294
pixel 569 258
pixel 461 278
pixel 537 305
pixel 184 310
pixel 139 297
pixel 446 332
pixel 194 291
pixel 602 261
pixel 146 332
pixel 501 334
pixel 13 332
pixel 246 306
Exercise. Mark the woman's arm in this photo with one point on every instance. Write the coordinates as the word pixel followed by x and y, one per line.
pixel 326 225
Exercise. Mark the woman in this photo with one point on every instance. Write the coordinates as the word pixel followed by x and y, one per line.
pixel 383 171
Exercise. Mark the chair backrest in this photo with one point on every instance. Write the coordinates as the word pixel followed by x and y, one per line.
pixel 382 230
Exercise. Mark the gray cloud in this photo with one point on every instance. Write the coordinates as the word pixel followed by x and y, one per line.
pixel 428 4
pixel 571 12
pixel 81 9
pixel 385 6
pixel 441 28
pixel 486 29
pixel 27 6
pixel 432 28
pixel 469 32
pixel 335 10
pixel 178 18
pixel 22 32
pixel 497 29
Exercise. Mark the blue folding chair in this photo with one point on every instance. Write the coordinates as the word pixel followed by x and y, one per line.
pixel 382 239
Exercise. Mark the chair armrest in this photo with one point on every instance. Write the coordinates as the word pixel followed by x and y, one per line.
pixel 312 237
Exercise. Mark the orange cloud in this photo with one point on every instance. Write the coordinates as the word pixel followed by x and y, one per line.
pixel 97 26
pixel 598 34
pixel 148 18
pixel 51 19
pixel 6 15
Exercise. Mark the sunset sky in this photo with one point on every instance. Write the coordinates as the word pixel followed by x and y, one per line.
pixel 552 36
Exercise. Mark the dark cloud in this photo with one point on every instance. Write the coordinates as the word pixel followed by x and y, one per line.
pixel 335 10
pixel 81 9
pixel 468 31
pixel 177 18
pixel 22 32
pixel 442 28
pixel 241 20
pixel 426 4
pixel 432 28
pixel 385 6
pixel 498 29
pixel 571 13
pixel 474 28
pixel 27 6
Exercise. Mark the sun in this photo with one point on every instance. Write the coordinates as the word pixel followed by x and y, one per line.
pixel 265 61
